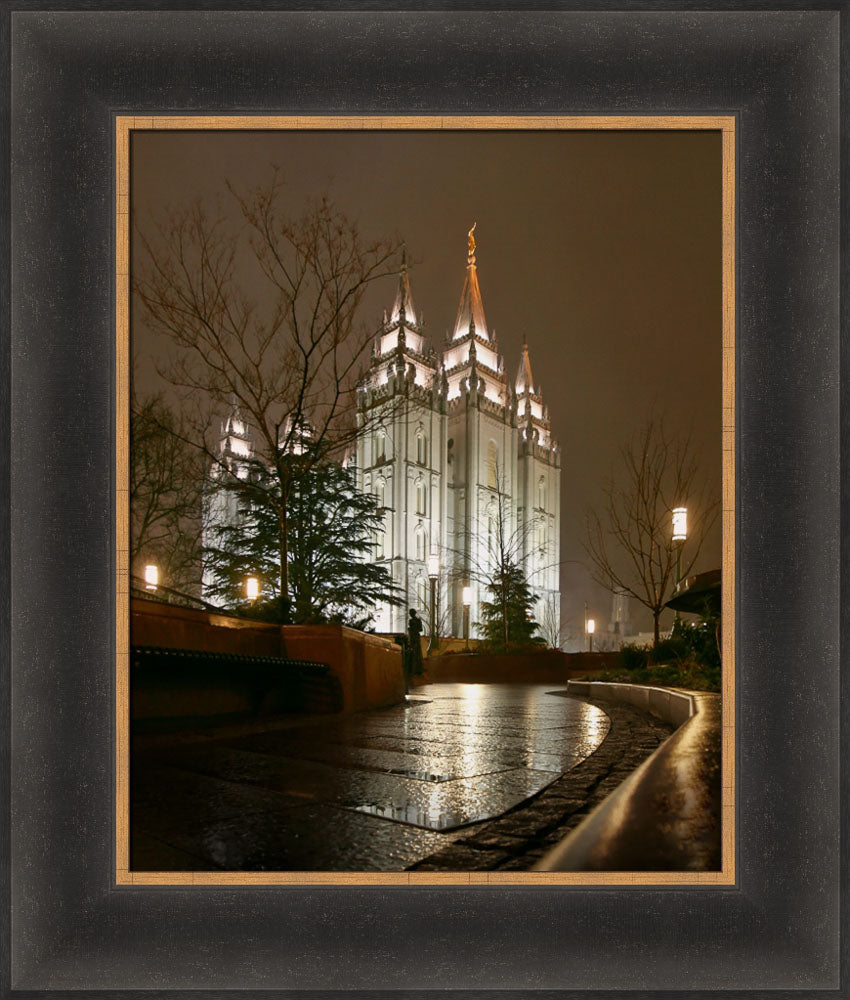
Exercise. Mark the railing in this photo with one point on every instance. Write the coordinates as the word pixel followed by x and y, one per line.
pixel 167 595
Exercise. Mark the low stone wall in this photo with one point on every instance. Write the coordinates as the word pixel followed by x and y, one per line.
pixel 155 624
pixel 546 666
pixel 369 668
pixel 666 816
pixel 671 704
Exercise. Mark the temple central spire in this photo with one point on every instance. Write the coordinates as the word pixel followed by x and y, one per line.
pixel 471 308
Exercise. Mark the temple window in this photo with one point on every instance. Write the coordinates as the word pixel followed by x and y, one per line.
pixel 492 466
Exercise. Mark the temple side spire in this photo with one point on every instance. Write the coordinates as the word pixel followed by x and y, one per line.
pixel 403 306
pixel 524 378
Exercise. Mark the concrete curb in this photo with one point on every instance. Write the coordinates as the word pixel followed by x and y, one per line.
pixel 666 815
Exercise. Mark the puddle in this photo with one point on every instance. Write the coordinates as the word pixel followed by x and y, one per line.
pixel 414 815
pixel 408 772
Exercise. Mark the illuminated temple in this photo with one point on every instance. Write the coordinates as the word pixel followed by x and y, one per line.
pixel 463 459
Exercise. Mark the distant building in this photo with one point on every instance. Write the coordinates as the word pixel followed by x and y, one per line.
pixel 620 622
pixel 455 450
pixel 221 507
pixel 620 629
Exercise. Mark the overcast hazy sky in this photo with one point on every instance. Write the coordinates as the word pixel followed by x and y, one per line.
pixel 603 248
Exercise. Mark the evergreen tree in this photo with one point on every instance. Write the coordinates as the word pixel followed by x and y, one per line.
pixel 331 526
pixel 506 619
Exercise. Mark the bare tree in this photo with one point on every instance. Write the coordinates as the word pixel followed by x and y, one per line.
pixel 264 314
pixel 553 624
pixel 443 617
pixel 629 539
pixel 166 479
pixel 499 570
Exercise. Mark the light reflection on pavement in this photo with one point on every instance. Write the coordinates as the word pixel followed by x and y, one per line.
pixel 366 792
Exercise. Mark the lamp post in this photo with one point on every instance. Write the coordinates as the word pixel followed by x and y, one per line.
pixel 467 600
pixel 680 534
pixel 433 573
pixel 151 577
pixel 252 588
pixel 591 628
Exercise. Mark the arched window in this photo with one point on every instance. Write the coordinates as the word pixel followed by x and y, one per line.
pixel 382 538
pixel 421 447
pixel 381 448
pixel 492 466
pixel 421 591
pixel 420 496
pixel 492 541
pixel 419 538
pixel 381 492
pixel 541 493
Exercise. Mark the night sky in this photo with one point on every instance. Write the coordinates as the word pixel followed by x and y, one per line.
pixel 602 248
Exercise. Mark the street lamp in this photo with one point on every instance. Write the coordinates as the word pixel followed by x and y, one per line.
pixel 252 588
pixel 433 573
pixel 680 534
pixel 467 600
pixel 680 524
pixel 151 577
pixel 591 628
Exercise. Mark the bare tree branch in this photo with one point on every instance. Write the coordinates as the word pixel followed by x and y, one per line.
pixel 629 538
pixel 265 314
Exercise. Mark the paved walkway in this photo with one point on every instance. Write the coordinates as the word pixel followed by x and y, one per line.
pixel 377 791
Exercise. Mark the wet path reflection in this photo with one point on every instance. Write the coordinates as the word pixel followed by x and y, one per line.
pixel 373 791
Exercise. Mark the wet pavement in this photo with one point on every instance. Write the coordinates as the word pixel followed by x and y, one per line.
pixel 375 791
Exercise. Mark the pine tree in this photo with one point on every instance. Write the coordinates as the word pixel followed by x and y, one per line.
pixel 506 618
pixel 331 526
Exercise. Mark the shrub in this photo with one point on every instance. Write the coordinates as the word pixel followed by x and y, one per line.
pixel 688 675
pixel 633 656
pixel 670 650
pixel 699 641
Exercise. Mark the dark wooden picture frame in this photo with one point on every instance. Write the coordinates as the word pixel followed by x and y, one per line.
pixel 72 927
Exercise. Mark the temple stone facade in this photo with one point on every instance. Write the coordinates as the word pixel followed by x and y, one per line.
pixel 463 459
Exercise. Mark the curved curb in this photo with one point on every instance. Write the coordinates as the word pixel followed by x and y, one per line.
pixel 666 815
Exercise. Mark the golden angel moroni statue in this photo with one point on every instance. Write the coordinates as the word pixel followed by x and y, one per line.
pixel 470 243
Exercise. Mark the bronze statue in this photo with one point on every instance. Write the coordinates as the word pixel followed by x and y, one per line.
pixel 414 646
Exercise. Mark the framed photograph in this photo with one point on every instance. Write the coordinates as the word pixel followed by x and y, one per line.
pixel 573 672
pixel 448 469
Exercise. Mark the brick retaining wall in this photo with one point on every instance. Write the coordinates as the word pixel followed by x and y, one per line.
pixel 369 668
